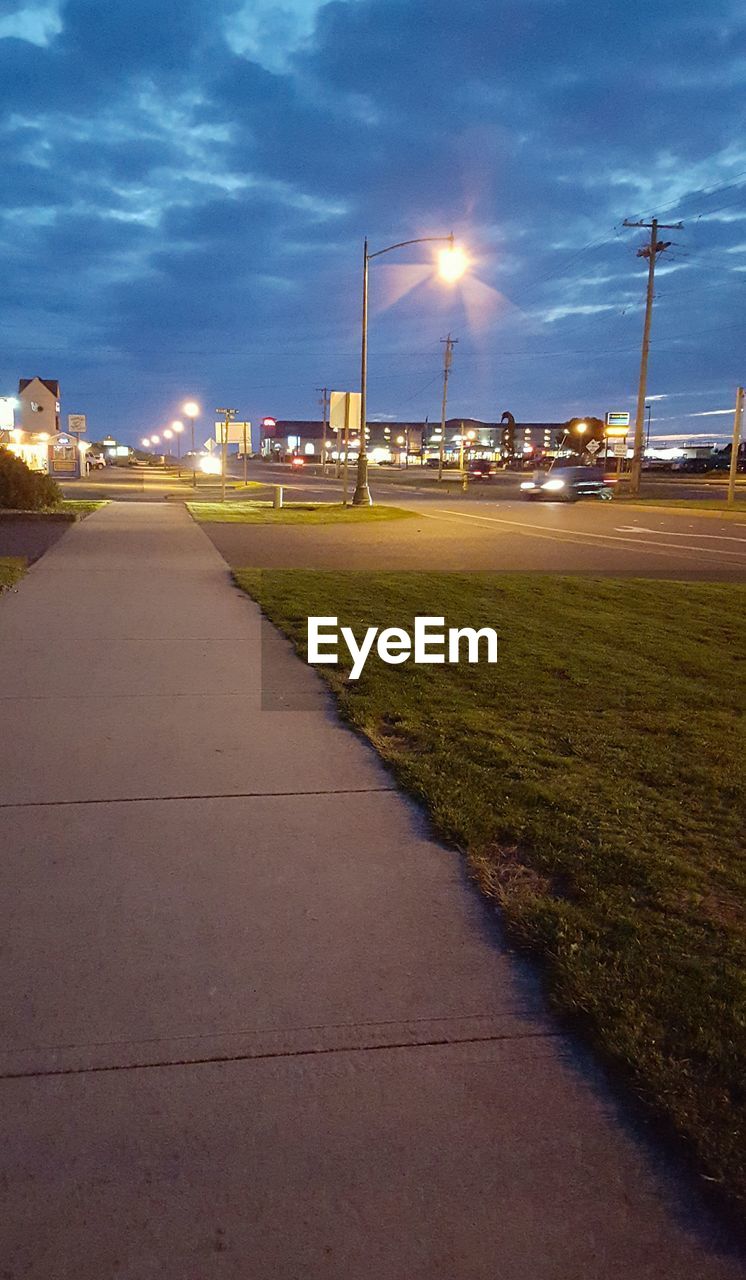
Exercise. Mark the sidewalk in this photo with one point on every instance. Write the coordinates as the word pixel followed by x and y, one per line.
pixel 255 1023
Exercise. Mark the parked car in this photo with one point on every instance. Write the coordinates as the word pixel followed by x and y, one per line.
pixel 568 484
pixel 95 461
pixel 481 469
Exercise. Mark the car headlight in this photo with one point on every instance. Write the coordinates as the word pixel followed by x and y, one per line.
pixel 528 484
pixel 553 484
pixel 210 466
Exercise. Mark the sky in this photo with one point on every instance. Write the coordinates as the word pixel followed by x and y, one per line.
pixel 187 187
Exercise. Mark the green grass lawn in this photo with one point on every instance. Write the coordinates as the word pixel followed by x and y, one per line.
pixel 292 513
pixel 11 569
pixel 594 778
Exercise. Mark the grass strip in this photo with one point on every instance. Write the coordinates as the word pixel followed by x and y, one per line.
pixel 594 777
pixel 292 513
pixel 712 506
pixel 67 511
pixel 12 568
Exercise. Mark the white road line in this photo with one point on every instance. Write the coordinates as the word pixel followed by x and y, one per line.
pixel 604 537
pixel 673 533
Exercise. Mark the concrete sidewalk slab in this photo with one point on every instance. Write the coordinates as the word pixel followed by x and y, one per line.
pixel 275 1034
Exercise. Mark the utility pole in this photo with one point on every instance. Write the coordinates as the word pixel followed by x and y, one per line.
pixel 324 402
pixel 735 447
pixel 649 251
pixel 447 362
pixel 229 416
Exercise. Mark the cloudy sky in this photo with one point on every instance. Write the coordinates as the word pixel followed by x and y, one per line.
pixel 187 186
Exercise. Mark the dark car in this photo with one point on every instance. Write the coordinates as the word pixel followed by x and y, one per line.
pixel 696 466
pixel 567 484
pixel 481 469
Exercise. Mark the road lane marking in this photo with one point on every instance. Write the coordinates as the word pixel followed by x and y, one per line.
pixel 542 531
pixel 674 533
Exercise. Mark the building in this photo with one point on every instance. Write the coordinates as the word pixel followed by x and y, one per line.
pixel 30 428
pixel 39 404
pixel 412 442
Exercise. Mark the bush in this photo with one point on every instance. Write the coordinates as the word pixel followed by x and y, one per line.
pixel 22 489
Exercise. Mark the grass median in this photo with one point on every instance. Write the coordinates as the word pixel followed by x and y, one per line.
pixel 292 513
pixel 12 568
pixel 594 778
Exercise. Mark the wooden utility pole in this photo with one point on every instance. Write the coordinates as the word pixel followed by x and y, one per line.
pixel 447 362
pixel 649 251
pixel 735 447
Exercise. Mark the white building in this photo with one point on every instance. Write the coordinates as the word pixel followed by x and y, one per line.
pixel 39 405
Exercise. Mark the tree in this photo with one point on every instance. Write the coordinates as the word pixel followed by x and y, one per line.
pixel 577 439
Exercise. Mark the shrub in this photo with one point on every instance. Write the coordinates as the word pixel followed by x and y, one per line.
pixel 22 489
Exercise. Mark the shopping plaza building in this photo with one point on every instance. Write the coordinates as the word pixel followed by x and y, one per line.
pixel 410 443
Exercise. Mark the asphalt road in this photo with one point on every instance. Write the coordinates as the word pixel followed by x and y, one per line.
pixel 487 528
pixel 551 538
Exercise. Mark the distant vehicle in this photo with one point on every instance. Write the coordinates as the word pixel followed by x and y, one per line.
pixel 657 464
pixel 568 484
pixel 696 466
pixel 296 461
pixel 95 461
pixel 448 464
pixel 481 469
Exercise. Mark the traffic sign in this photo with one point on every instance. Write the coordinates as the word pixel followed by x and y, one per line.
pixel 593 445
pixel 619 448
pixel 235 432
pixel 341 416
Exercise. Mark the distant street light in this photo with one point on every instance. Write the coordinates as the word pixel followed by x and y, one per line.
pixel 146 442
pixel 155 439
pixel 191 410
pixel 452 263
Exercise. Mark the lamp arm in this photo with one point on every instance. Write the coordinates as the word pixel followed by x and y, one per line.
pixel 421 240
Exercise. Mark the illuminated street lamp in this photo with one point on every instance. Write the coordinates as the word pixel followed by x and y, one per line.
pixel 146 442
pixel 452 264
pixel 191 410
pixel 155 439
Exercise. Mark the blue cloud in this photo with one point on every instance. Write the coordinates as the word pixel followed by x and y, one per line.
pixel 196 181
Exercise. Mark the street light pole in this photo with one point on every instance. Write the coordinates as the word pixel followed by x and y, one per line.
pixel 455 268
pixel 361 497
pixel 191 409
pixel 229 416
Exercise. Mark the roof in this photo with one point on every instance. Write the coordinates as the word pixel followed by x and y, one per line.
pixel 50 383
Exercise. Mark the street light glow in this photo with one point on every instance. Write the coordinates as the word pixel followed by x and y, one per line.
pixel 168 434
pixel 155 439
pixel 582 427
pixel 191 409
pixel 177 426
pixel 146 442
pixel 452 264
